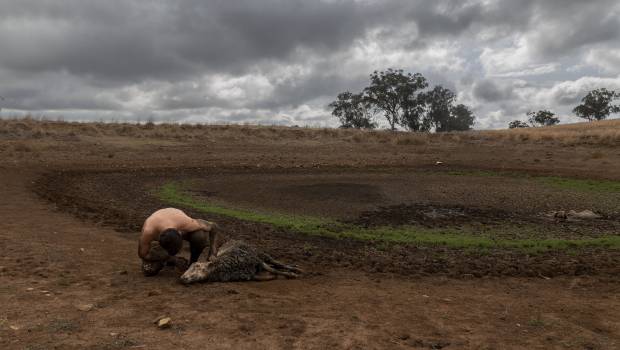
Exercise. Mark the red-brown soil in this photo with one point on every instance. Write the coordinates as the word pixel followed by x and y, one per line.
pixel 75 250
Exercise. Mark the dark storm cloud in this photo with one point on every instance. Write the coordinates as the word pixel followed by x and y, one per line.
pixel 249 56
pixel 490 91
pixel 568 25
pixel 164 39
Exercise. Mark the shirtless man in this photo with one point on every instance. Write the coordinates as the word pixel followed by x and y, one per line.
pixel 162 238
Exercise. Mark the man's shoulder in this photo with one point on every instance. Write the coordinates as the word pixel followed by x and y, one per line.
pixel 167 211
pixel 166 214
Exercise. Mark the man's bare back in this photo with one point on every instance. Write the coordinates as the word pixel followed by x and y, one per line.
pixel 175 225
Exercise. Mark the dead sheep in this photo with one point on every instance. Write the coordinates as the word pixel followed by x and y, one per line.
pixel 238 261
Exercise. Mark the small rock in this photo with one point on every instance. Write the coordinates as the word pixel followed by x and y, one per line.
pixel 30 289
pixel 85 307
pixel 584 214
pixel 15 328
pixel 48 295
pixel 82 250
pixel 425 296
pixel 158 318
pixel 113 334
pixel 122 272
pixel 165 322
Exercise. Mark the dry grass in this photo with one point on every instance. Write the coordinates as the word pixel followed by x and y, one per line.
pixel 594 133
pixel 606 132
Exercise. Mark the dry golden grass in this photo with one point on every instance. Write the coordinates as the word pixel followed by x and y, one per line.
pixel 606 132
pixel 593 133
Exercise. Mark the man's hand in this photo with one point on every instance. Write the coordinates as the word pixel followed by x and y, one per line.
pixel 181 264
pixel 156 253
pixel 213 230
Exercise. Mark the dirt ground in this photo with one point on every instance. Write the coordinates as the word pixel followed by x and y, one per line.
pixel 70 276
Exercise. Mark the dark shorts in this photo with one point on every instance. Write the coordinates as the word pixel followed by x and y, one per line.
pixel 158 258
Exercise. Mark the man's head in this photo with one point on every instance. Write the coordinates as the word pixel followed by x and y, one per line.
pixel 171 241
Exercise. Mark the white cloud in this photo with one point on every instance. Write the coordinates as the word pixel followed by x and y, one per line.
pixel 607 59
pixel 516 60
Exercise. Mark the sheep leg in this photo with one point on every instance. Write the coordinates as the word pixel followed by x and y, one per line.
pixel 277 264
pixel 265 276
pixel 279 272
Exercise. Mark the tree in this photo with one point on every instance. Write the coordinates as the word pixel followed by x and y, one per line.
pixel 395 94
pixel 461 119
pixel 436 109
pixel 438 103
pixel 403 101
pixel 596 105
pixel 414 115
pixel 542 118
pixel 353 110
pixel 517 124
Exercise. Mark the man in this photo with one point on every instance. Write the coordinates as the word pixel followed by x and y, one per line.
pixel 162 238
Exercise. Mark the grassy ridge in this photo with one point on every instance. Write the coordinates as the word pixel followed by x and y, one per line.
pixel 173 193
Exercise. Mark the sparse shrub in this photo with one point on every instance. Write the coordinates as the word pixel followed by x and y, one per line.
pixel 517 124
pixel 542 118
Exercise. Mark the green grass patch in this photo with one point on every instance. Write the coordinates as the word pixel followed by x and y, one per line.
pixel 582 185
pixel 174 194
pixel 556 181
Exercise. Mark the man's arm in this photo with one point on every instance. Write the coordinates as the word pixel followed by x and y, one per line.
pixel 213 230
pixel 144 244
pixel 213 234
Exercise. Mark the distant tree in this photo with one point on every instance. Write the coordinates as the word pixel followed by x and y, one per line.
pixel 461 119
pixel 596 105
pixel 542 118
pixel 401 98
pixel 438 104
pixel 414 117
pixel 436 109
pixel 395 94
pixel 353 111
pixel 517 124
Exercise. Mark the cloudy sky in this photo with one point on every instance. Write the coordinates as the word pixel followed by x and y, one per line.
pixel 283 61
